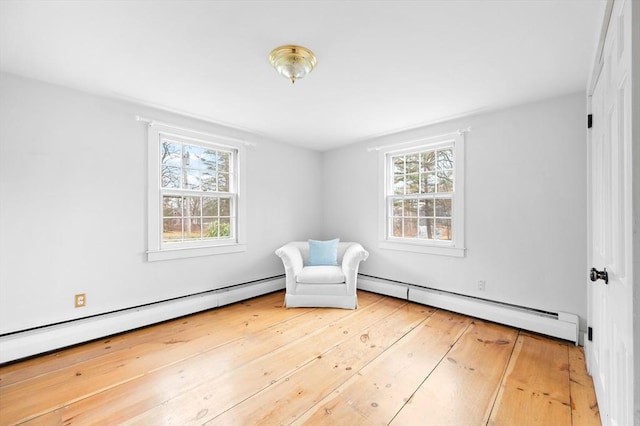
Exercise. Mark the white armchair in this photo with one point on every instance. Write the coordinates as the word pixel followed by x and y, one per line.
pixel 321 286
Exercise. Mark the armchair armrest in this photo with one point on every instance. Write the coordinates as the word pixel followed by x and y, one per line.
pixel 353 256
pixel 351 262
pixel 292 260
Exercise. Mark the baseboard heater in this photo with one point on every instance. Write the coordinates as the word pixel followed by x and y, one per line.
pixel 562 325
pixel 22 344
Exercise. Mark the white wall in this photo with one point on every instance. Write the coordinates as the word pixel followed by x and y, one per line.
pixel 525 207
pixel 73 207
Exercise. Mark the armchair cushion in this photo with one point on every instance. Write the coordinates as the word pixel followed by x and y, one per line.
pixel 320 275
pixel 323 253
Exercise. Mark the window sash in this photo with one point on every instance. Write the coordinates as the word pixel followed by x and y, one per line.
pixel 185 167
pixel 211 223
pixel 432 225
pixel 417 165
pixel 186 219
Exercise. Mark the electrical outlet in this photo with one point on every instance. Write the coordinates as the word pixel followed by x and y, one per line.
pixel 81 300
pixel 482 285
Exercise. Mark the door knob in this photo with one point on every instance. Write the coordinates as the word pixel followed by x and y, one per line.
pixel 599 275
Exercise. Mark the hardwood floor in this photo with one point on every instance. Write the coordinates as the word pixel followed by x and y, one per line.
pixel 255 362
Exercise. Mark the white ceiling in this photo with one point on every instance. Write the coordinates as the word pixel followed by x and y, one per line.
pixel 383 66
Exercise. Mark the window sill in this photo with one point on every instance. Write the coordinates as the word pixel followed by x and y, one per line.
pixel 423 248
pixel 186 252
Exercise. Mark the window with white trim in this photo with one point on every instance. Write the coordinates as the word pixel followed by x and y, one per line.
pixel 423 196
pixel 194 188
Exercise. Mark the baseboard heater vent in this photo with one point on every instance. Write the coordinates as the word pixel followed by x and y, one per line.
pixel 561 324
pixel 39 340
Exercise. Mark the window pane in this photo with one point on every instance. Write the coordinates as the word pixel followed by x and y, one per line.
pixel 445 159
pixel 170 177
pixel 443 229
pixel 209 206
pixel 196 157
pixel 224 161
pixel 225 227
pixel 426 208
pixel 411 208
pixel 192 206
pixel 193 179
pixel 171 154
pixel 413 183
pixel 427 183
pixel 398 185
pixel 171 206
pixel 398 165
pixel 427 161
pixel 192 228
pixel 225 206
pixel 172 229
pixel 445 181
pixel 203 158
pixel 223 182
pixel 410 228
pixel 429 224
pixel 398 208
pixel 422 228
pixel 207 181
pixel 209 158
pixel 412 163
pixel 397 227
pixel 210 227
pixel 443 207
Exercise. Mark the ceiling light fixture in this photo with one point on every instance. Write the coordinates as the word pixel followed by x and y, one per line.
pixel 292 62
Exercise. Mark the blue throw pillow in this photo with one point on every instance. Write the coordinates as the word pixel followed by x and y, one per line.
pixel 323 253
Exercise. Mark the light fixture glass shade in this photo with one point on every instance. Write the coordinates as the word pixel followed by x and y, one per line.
pixel 292 62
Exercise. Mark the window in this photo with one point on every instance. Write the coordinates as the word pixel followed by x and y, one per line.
pixel 194 190
pixel 423 203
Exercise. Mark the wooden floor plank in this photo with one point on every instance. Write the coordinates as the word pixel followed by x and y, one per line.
pixel 378 392
pixel 256 362
pixel 229 389
pixel 135 397
pixel 47 419
pixel 74 382
pixel 535 390
pixel 464 385
pixel 584 406
pixel 46 364
pixel 293 395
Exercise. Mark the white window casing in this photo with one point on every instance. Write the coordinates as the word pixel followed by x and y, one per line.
pixel 161 248
pixel 393 229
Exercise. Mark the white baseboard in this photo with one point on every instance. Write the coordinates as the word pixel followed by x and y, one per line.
pixel 561 324
pixel 379 286
pixel 32 342
pixel 236 294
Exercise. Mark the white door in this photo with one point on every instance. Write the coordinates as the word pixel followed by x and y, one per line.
pixel 610 352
